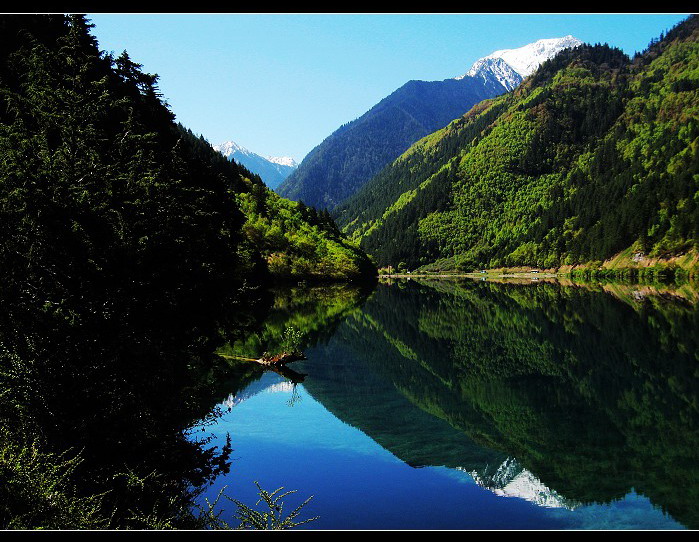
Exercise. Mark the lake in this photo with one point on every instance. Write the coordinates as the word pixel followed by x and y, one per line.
pixel 462 404
pixel 430 404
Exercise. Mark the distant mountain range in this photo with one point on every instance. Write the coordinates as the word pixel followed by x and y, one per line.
pixel 357 151
pixel 272 169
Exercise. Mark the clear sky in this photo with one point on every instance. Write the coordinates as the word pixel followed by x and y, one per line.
pixel 279 84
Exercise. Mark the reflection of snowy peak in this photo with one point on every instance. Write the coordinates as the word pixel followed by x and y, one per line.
pixel 272 170
pixel 510 66
pixel 510 479
pixel 269 382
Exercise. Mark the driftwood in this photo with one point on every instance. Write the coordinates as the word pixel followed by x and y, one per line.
pixel 272 360
pixel 280 359
pixel 277 363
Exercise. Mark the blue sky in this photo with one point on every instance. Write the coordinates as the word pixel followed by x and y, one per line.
pixel 279 84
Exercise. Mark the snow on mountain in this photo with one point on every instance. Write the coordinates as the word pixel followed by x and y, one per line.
pixel 497 68
pixel 525 60
pixel 283 160
pixel 272 170
pixel 510 479
pixel 231 147
pixel 268 383
pixel 505 64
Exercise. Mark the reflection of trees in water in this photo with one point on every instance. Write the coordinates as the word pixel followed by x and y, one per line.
pixel 295 396
pixel 314 313
pixel 559 395
pixel 593 394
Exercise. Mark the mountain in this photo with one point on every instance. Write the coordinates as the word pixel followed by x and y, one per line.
pixel 283 161
pixel 272 170
pixel 593 155
pixel 357 151
pixel 511 66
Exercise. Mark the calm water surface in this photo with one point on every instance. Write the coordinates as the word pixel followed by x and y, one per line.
pixel 459 405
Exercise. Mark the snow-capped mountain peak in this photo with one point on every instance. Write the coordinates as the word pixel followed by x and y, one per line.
pixel 230 147
pixel 525 60
pixel 505 64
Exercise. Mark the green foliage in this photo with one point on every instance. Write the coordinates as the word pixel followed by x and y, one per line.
pixel 36 490
pixel 273 519
pixel 291 340
pixel 102 191
pixel 99 186
pixel 298 242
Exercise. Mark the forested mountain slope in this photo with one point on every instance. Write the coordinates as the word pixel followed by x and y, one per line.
pixel 592 155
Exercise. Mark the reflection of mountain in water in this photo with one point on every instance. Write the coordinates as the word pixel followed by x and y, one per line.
pixel 510 479
pixel 593 397
pixel 360 394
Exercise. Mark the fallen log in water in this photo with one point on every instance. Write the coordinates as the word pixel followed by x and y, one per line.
pixel 277 364
pixel 272 360
pixel 280 359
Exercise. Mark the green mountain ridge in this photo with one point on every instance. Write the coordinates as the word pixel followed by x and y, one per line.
pixel 593 154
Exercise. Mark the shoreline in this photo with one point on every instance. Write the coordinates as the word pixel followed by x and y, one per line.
pixel 491 274
pixel 630 291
